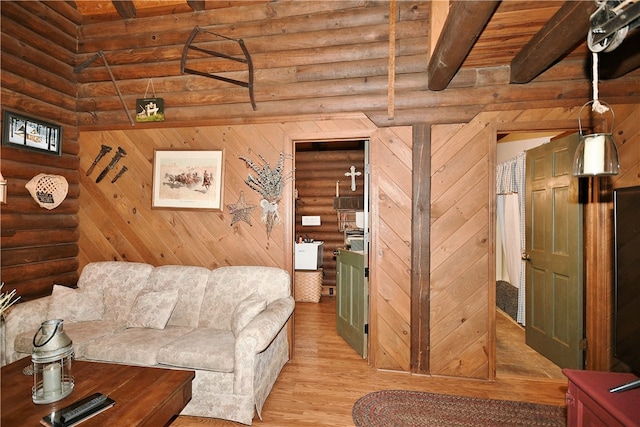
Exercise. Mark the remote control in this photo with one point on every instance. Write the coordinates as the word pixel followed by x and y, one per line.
pixel 84 408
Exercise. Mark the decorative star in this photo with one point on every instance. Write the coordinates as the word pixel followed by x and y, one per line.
pixel 241 211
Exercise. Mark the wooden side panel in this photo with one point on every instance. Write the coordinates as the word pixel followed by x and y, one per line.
pixel 459 251
pixel 600 299
pixel 390 283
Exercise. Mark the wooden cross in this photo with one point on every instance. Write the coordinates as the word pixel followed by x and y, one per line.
pixel 353 175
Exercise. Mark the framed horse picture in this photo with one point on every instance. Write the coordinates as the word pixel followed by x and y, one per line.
pixel 188 179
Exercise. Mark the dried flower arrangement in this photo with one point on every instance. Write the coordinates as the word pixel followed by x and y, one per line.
pixel 7 300
pixel 268 182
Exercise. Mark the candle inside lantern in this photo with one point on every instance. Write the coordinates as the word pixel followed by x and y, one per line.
pixel 52 378
pixel 337 189
pixel 594 154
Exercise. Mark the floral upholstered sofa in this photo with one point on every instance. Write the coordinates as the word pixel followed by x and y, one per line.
pixel 227 324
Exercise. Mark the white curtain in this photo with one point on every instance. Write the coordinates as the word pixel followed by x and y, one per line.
pixel 510 206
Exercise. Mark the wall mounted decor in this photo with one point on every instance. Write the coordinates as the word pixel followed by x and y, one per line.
pixel 104 149
pixel 268 182
pixel 32 134
pixel 150 109
pixel 240 210
pixel 49 191
pixel 208 37
pixel 191 179
pixel 114 160
pixel 88 62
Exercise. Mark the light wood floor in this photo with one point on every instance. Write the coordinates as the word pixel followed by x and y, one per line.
pixel 326 377
pixel 515 357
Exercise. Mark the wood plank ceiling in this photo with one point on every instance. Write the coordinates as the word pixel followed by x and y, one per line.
pixel 527 36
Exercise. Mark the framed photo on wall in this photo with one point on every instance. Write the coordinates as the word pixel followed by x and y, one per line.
pixel 32 134
pixel 188 179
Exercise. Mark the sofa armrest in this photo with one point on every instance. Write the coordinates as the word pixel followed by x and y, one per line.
pixel 265 326
pixel 255 338
pixel 23 317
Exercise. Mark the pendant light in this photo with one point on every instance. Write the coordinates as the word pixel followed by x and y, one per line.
pixel 597 154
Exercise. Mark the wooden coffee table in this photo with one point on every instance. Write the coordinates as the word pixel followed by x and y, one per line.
pixel 144 396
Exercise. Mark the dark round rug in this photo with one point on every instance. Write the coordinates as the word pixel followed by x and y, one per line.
pixel 413 408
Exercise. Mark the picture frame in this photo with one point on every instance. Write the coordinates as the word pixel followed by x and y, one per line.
pixel 149 110
pixel 188 179
pixel 29 133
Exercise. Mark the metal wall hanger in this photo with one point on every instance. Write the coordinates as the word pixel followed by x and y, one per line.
pixel 245 60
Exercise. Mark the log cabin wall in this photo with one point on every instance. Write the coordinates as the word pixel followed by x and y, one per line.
pixel 39 246
pixel 318 170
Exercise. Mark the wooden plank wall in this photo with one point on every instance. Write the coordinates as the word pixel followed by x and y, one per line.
pixel 118 223
pixel 39 246
pixel 315 180
pixel 460 251
pixel 390 284
pixel 600 299
pixel 462 286
pixel 310 83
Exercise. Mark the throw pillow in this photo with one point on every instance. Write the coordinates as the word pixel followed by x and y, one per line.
pixel 75 305
pixel 152 309
pixel 245 311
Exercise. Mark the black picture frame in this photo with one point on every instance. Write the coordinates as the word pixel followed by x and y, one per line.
pixel 29 133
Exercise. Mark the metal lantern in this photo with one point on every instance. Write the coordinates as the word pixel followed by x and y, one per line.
pixel 597 154
pixel 51 359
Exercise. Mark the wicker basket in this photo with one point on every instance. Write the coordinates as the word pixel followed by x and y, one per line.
pixel 308 285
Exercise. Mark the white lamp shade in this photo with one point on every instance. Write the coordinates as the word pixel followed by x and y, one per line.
pixel 596 155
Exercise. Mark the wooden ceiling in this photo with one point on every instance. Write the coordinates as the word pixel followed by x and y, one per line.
pixel 105 10
pixel 527 36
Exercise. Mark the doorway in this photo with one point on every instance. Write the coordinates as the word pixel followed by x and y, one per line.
pixel 513 356
pixel 325 171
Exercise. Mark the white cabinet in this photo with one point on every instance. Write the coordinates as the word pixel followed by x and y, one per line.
pixel 308 256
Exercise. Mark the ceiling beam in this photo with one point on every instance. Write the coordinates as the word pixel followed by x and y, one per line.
pixel 125 8
pixel 463 26
pixel 196 5
pixel 437 17
pixel 623 59
pixel 561 34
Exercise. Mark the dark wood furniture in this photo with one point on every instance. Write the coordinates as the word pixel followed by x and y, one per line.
pixel 144 396
pixel 589 402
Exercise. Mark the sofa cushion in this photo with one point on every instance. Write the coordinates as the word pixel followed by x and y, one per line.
pixel 119 282
pixel 245 311
pixel 81 333
pixel 152 309
pixel 76 305
pixel 206 349
pixel 134 346
pixel 190 281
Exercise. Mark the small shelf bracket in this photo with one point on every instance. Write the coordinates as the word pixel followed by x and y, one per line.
pixel 246 60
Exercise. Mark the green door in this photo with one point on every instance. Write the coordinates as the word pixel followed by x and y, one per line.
pixel 554 289
pixel 351 299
